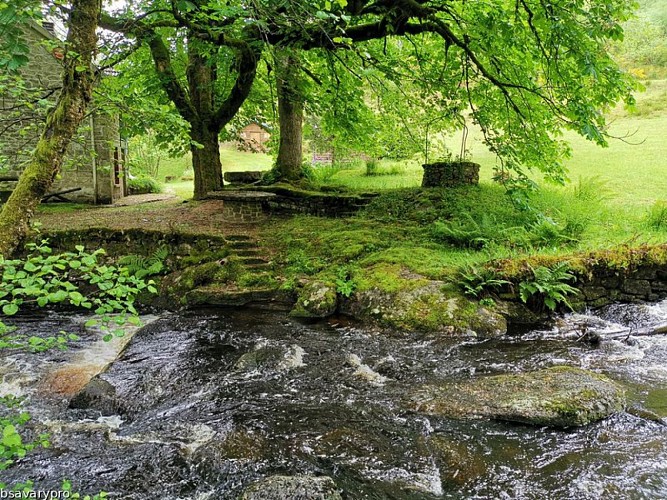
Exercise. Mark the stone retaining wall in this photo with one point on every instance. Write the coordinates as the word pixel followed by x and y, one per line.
pixel 621 275
pixel 139 241
pixel 644 284
pixel 326 206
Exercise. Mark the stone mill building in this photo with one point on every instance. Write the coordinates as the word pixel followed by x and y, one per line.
pixel 93 171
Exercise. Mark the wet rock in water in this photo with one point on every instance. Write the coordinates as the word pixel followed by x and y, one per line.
pixel 212 460
pixel 457 463
pixel 365 372
pixel 292 488
pixel 560 397
pixel 98 394
pixel 267 357
pixel 317 299
pixel 659 330
pixel 518 313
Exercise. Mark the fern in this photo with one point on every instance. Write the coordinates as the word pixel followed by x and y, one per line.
pixel 549 285
pixel 142 266
pixel 478 282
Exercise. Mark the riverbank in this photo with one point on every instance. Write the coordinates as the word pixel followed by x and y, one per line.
pixel 461 261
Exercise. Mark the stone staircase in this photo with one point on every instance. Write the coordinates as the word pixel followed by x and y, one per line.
pixel 249 254
pixel 253 259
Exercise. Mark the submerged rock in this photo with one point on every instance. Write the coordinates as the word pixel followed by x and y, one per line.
pixel 457 463
pixel 98 394
pixel 317 299
pixel 559 397
pixel 292 488
pixel 270 357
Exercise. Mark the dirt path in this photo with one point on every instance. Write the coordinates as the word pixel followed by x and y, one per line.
pixel 147 212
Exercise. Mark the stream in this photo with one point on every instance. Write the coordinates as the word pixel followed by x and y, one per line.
pixel 201 404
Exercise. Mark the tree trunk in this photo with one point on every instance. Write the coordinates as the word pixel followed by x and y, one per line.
pixel 201 75
pixel 61 124
pixel 290 115
pixel 206 160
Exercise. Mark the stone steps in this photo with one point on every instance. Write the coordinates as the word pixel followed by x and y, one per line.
pixel 248 252
pixel 225 296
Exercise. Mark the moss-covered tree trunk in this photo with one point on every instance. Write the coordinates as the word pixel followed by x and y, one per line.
pixel 201 75
pixel 290 115
pixel 205 159
pixel 62 122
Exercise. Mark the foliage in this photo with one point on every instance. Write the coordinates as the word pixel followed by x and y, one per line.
pixel 12 445
pixel 548 286
pixel 77 279
pixel 145 155
pixel 522 70
pixel 656 216
pixel 142 266
pixel 345 285
pixel 143 184
pixel 14 51
pixel 371 166
pixel 479 281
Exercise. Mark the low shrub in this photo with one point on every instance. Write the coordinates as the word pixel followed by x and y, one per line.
pixel 143 184
pixel 656 216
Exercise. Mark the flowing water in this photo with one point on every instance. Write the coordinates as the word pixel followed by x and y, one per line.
pixel 200 405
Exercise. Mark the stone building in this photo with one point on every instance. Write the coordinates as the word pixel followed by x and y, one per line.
pixel 93 171
pixel 254 136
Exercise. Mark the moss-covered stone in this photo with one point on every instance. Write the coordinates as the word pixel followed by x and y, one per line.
pixel 176 285
pixel 424 305
pixel 317 299
pixel 559 397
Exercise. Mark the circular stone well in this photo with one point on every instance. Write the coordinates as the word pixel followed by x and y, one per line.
pixel 450 174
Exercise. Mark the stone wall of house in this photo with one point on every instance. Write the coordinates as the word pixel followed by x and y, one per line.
pixel 43 75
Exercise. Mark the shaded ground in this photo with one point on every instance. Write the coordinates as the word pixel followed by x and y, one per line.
pixel 162 213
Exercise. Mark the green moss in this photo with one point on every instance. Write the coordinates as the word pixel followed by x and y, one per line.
pixel 205 255
pixel 195 276
pixel 318 299
pixel 386 277
pixel 433 311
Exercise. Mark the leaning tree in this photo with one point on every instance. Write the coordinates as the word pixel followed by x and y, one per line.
pixel 62 121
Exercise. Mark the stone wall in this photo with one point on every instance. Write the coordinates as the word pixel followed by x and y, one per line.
pixel 139 241
pixel 42 76
pixel 294 201
pixel 643 284
pixel 624 274
pixel 321 204
pixel 450 174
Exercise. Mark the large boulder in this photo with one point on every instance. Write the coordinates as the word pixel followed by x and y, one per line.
pixel 98 394
pixel 425 306
pixel 317 299
pixel 559 397
pixel 292 488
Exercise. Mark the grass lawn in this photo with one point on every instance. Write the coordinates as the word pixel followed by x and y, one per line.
pixel 232 161
pixel 632 170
